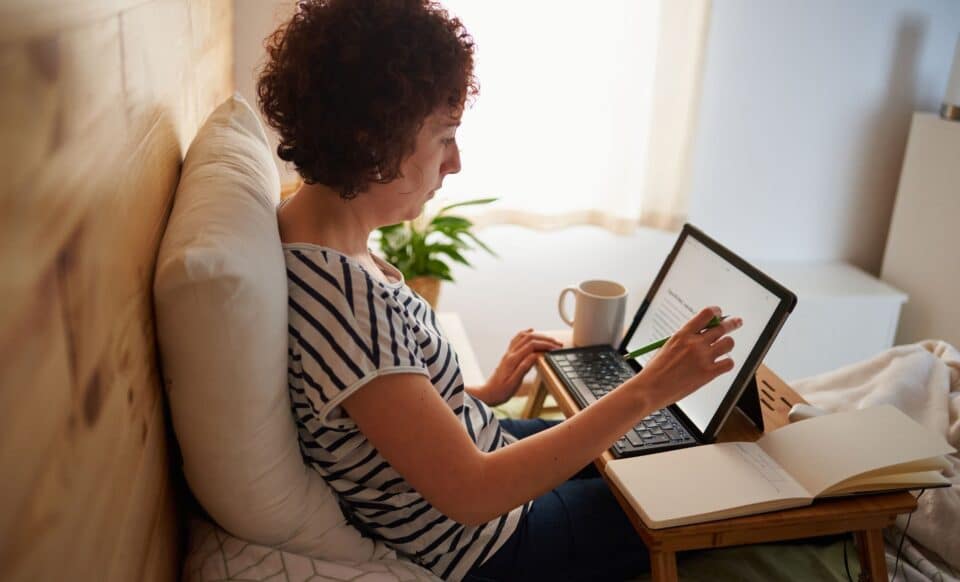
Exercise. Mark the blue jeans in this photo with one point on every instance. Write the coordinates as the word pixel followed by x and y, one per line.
pixel 575 532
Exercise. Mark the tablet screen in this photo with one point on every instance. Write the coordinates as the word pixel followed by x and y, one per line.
pixel 700 278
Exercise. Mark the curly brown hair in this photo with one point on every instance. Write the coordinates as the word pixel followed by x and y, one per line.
pixel 349 83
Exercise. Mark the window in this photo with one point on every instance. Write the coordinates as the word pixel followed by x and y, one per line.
pixel 585 111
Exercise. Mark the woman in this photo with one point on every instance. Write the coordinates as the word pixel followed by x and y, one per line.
pixel 366 96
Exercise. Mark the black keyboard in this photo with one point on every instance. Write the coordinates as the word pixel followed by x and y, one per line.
pixel 591 373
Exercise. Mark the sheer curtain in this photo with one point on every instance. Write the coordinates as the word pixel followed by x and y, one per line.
pixel 585 112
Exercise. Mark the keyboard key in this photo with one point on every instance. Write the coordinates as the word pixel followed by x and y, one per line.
pixel 634 439
pixel 579 385
pixel 656 439
pixel 674 434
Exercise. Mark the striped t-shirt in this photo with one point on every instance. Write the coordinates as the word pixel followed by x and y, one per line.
pixel 346 328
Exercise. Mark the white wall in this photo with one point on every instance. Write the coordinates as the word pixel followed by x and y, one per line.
pixel 804 117
pixel 802 127
pixel 254 20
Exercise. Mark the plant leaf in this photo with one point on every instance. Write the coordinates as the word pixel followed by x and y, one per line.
pixel 390 228
pixel 394 241
pixel 450 251
pixel 417 253
pixel 438 269
pixel 456 237
pixel 450 222
pixel 405 265
pixel 453 234
pixel 480 243
pixel 467 203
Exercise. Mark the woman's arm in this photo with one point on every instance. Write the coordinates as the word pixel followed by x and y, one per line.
pixel 405 418
pixel 413 428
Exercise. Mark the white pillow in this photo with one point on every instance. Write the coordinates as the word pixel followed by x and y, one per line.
pixel 221 304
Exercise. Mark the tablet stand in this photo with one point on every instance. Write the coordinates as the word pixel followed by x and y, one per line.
pixel 749 403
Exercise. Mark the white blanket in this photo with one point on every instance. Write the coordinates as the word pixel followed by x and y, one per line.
pixel 922 380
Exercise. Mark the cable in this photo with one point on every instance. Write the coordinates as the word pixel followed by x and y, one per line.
pixel 846 565
pixel 903 536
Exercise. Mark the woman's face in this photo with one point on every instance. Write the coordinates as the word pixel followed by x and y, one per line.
pixel 435 155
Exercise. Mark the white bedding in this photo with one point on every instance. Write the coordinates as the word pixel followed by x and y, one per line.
pixel 214 555
pixel 922 380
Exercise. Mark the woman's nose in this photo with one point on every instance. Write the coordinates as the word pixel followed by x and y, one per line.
pixel 451 164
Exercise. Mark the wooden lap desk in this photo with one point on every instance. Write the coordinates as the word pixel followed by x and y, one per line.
pixel 865 516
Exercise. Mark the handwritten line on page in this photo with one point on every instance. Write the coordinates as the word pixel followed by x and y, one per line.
pixel 765 466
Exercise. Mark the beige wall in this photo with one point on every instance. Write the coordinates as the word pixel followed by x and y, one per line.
pixel 921 249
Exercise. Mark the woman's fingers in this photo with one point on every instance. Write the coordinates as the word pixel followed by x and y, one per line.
pixel 520 337
pixel 522 354
pixel 532 345
pixel 722 346
pixel 529 335
pixel 546 342
pixel 726 326
pixel 516 376
pixel 700 320
pixel 541 342
pixel 722 366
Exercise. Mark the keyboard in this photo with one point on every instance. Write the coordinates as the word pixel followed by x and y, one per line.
pixel 591 373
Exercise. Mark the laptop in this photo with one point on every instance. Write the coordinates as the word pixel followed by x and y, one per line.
pixel 697 273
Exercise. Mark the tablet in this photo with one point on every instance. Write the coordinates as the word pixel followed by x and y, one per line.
pixel 698 273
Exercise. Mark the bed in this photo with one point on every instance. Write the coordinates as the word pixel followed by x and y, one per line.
pixel 100 102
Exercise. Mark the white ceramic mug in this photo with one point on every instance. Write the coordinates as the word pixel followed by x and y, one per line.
pixel 598 316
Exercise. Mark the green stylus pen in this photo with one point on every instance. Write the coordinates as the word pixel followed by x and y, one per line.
pixel 659 343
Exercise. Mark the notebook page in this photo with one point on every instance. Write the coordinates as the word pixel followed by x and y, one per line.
pixel 822 451
pixel 891 482
pixel 703 481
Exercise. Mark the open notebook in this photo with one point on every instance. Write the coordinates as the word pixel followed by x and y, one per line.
pixel 869 450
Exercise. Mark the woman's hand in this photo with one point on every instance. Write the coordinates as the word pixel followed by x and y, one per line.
pixel 692 357
pixel 521 355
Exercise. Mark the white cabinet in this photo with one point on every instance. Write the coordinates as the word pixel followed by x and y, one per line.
pixel 843 315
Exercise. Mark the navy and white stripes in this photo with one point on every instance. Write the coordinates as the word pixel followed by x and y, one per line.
pixel 346 328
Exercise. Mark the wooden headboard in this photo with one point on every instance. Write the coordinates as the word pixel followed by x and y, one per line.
pixel 99 100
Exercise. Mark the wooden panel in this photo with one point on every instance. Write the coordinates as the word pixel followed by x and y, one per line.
pixel 211 22
pixel 102 99
pixel 21 20
pixel 157 52
pixel 34 352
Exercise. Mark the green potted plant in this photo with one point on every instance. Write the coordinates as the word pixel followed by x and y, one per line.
pixel 423 248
